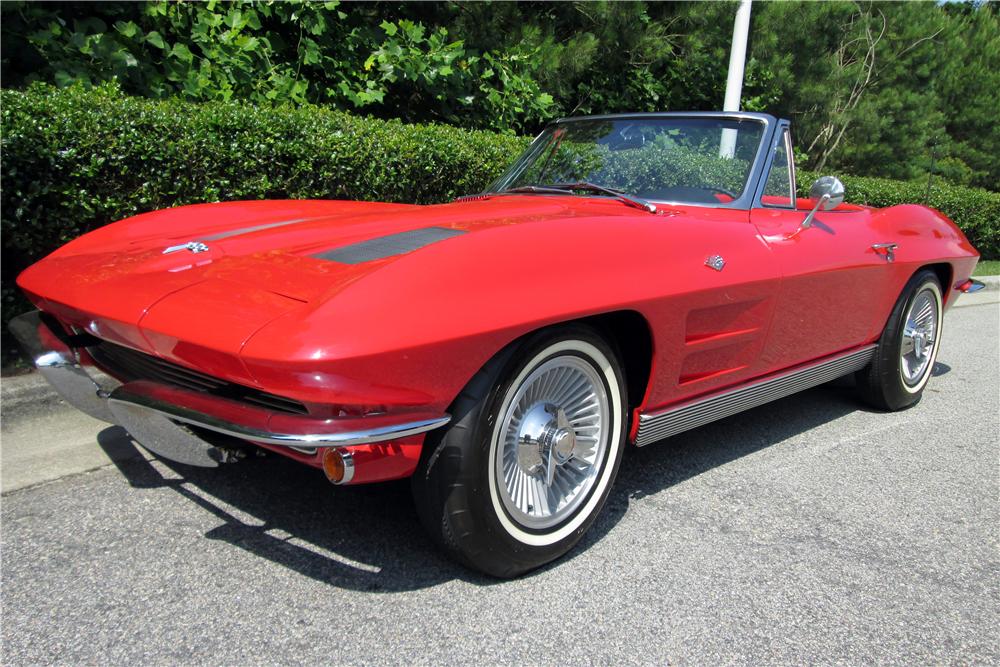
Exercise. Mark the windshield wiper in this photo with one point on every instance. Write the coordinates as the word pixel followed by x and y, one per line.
pixel 521 189
pixel 569 188
pixel 637 202
pixel 542 189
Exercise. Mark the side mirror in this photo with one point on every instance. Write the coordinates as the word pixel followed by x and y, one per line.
pixel 828 192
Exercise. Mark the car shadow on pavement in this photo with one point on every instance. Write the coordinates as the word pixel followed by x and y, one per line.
pixel 362 538
pixel 369 538
pixel 940 369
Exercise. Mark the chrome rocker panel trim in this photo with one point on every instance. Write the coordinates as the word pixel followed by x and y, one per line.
pixel 656 426
pixel 108 400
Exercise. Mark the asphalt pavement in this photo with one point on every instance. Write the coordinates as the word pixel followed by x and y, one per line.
pixel 811 530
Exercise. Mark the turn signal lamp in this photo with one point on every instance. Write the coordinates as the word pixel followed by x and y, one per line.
pixel 338 464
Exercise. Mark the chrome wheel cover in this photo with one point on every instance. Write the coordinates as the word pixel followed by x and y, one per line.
pixel 552 441
pixel 919 340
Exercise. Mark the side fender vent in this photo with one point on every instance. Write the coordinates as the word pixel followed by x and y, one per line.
pixel 388 246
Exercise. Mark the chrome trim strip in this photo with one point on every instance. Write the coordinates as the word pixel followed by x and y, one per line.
pixel 126 394
pixel 258 228
pixel 663 424
pixel 642 115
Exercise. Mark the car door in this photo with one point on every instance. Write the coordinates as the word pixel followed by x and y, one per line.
pixel 715 299
pixel 828 298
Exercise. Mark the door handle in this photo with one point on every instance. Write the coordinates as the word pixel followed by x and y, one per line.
pixel 887 250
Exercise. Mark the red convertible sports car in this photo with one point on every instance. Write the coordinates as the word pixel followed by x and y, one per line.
pixel 628 278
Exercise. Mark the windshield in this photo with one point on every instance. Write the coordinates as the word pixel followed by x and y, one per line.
pixel 687 160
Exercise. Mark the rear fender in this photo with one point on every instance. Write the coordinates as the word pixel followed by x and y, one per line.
pixel 926 237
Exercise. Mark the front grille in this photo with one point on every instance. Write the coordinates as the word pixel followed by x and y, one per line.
pixel 128 365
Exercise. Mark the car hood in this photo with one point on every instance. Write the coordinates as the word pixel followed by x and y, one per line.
pixel 140 283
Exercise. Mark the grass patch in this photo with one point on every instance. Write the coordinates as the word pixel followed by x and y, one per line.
pixel 987 267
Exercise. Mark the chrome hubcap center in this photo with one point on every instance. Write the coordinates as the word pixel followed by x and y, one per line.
pixel 546 440
pixel 562 444
pixel 920 344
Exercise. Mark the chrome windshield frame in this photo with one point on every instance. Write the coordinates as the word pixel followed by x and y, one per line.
pixel 758 167
pixel 777 136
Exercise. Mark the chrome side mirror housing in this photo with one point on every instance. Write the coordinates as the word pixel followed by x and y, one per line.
pixel 828 192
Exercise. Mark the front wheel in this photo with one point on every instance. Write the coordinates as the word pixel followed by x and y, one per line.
pixel 527 464
pixel 904 359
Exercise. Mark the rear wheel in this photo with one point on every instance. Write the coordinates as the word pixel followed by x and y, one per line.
pixel 904 359
pixel 529 460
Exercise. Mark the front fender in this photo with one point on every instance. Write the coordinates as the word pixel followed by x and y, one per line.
pixel 418 328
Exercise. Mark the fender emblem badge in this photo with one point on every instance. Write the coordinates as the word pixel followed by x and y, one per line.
pixel 193 246
pixel 715 262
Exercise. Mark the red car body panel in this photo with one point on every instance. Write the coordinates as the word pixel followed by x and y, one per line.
pixel 406 333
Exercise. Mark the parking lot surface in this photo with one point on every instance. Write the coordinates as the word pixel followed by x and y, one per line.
pixel 810 530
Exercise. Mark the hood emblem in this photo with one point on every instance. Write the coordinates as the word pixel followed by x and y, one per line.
pixel 193 246
pixel 716 262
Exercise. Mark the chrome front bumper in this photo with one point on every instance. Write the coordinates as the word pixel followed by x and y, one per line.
pixel 152 411
pixel 59 364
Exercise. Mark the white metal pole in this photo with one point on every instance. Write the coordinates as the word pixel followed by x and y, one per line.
pixel 734 82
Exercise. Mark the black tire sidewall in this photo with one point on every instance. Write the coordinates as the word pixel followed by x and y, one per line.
pixel 885 380
pixel 470 520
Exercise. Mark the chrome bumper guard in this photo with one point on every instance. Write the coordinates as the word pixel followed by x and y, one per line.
pixel 151 411
pixel 59 364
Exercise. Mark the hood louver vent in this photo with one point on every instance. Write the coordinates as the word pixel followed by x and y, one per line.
pixel 388 246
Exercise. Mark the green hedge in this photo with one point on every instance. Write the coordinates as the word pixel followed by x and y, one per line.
pixel 76 159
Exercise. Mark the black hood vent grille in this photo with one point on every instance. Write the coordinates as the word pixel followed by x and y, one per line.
pixel 388 246
pixel 128 365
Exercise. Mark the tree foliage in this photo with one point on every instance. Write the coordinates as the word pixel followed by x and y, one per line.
pixel 371 58
pixel 890 88
pixel 887 89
